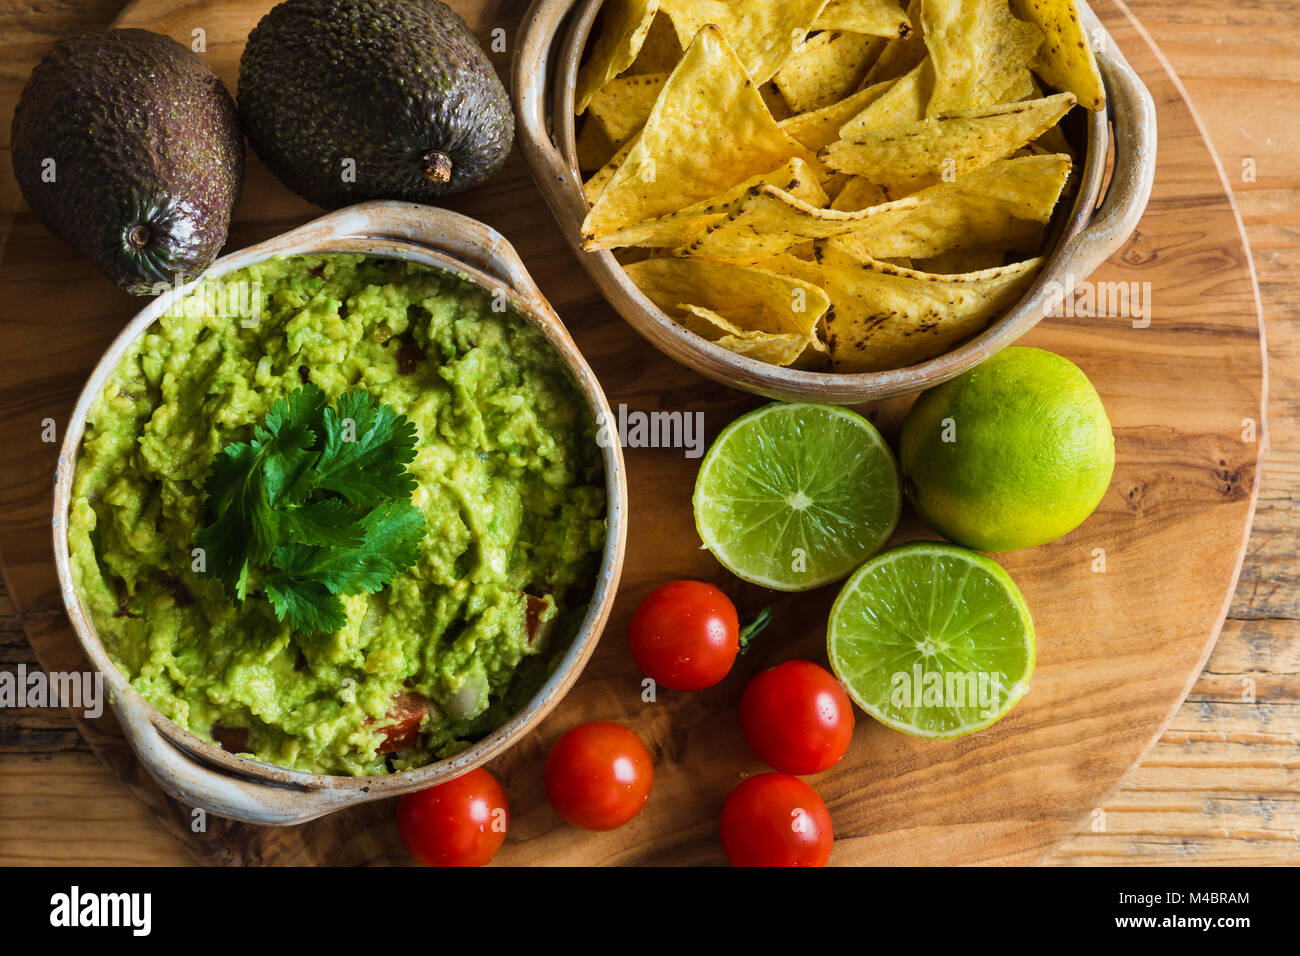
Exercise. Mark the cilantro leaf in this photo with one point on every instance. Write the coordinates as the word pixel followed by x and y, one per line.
pixel 393 531
pixel 240 533
pixel 306 605
pixel 367 449
pixel 318 500
pixel 290 432
pixel 329 522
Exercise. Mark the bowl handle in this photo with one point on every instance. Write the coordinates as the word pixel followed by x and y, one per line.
pixel 530 80
pixel 468 240
pixel 215 791
pixel 1133 117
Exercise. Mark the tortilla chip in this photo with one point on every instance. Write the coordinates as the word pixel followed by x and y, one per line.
pixel 1005 204
pixel 859 193
pixel 593 187
pixel 1022 87
pixel 821 127
pixel 903 103
pixel 979 48
pixel 1065 60
pixel 623 28
pixel 826 68
pixel 661 51
pixel 885 317
pixel 768 221
pixel 763 33
pixel 881 18
pixel 774 101
pixel 774 348
pixel 676 228
pixel 707 131
pixel 947 146
pixel 750 299
pixel 959 261
pixel 594 146
pixel 900 56
pixel 622 105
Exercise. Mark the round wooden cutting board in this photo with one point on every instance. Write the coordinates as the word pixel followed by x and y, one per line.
pixel 1127 607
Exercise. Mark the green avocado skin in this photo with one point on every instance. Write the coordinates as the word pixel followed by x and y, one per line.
pixel 343 99
pixel 140 132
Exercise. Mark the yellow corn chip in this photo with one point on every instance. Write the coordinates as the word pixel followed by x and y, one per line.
pixel 622 105
pixel 826 68
pixel 959 261
pixel 857 194
pixel 707 131
pixel 821 127
pixel 1004 204
pixel 1022 87
pixel 947 146
pixel 979 48
pixel 767 221
pixel 882 18
pixel 750 299
pixel 594 186
pixel 763 33
pixel 886 317
pixel 903 103
pixel 661 51
pixel 624 29
pixel 775 348
pixel 676 228
pixel 900 56
pixel 1065 60
pixel 773 100
pixel 594 146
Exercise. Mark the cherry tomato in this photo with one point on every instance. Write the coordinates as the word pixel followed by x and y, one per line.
pixel 458 823
pixel 774 819
pixel 598 775
pixel 797 718
pixel 685 635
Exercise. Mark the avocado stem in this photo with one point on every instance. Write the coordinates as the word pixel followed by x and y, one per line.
pixel 437 166
pixel 138 235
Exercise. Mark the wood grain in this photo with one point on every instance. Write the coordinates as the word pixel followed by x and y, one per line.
pixel 1168 808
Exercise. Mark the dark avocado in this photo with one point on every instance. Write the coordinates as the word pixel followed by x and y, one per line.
pixel 348 100
pixel 128 146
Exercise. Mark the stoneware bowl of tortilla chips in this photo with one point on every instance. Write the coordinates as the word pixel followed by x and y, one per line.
pixel 833 200
pixel 200 773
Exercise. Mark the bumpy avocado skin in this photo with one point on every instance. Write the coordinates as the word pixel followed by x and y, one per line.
pixel 141 133
pixel 379 83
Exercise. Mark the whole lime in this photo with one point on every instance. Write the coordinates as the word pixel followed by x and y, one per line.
pixel 1014 453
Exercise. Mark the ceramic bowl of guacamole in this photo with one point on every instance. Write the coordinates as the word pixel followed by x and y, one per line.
pixel 334 521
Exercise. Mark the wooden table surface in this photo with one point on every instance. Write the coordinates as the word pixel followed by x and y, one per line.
pixel 1223 784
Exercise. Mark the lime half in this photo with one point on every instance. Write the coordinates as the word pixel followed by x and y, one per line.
pixel 932 639
pixel 794 496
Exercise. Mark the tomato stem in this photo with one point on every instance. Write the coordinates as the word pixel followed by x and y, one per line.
pixel 754 628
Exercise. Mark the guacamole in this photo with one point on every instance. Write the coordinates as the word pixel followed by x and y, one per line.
pixel 509 479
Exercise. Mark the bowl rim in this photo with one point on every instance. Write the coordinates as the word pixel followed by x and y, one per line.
pixel 568 24
pixel 315 238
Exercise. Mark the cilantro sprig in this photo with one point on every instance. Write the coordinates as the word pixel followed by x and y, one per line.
pixel 319 502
